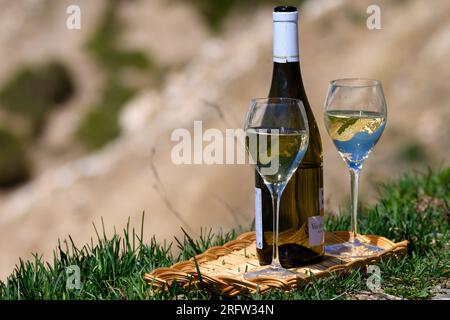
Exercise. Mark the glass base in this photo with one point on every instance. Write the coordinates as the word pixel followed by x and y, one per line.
pixel 352 249
pixel 271 271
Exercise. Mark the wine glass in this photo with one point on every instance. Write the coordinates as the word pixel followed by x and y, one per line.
pixel 355 116
pixel 277 137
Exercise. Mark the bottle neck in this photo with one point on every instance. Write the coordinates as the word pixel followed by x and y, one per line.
pixel 285 41
pixel 287 81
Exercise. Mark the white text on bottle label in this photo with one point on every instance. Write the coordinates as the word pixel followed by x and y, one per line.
pixel 258 218
pixel 315 231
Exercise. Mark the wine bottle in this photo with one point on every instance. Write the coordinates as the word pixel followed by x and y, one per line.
pixel 301 238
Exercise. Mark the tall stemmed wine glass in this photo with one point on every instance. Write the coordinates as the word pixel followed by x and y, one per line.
pixel 277 136
pixel 355 117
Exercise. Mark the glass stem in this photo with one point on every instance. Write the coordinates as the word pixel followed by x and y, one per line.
pixel 276 219
pixel 354 182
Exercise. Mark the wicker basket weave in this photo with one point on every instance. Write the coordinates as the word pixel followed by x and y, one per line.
pixel 222 267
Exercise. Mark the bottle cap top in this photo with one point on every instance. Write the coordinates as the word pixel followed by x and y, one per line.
pixel 285 13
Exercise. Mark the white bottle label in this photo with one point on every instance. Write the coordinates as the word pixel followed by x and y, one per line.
pixel 258 218
pixel 315 231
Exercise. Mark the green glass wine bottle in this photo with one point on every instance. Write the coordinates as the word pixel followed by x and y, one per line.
pixel 301 239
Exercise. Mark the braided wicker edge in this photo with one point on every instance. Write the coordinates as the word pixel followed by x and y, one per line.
pixel 185 274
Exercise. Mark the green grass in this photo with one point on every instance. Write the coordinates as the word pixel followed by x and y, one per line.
pixel 14 161
pixel 415 208
pixel 413 152
pixel 34 91
pixel 100 125
pixel 30 95
pixel 104 43
pixel 356 16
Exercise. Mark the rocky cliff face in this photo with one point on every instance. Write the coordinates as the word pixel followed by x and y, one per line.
pixel 214 78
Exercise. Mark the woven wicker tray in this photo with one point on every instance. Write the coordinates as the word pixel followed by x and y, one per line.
pixel 221 268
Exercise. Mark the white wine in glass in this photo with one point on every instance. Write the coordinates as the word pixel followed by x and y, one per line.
pixel 276 152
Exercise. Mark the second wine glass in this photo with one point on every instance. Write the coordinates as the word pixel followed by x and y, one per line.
pixel 277 136
pixel 355 116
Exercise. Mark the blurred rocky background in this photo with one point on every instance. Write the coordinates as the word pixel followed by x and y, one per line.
pixel 86 115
